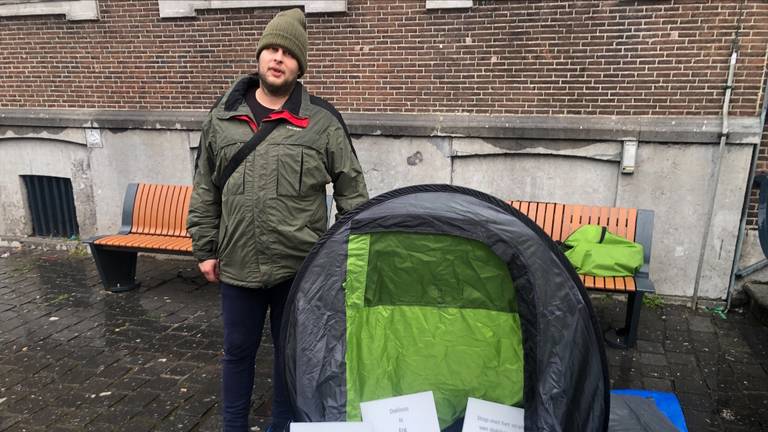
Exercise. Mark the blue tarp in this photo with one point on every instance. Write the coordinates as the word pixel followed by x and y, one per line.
pixel 666 402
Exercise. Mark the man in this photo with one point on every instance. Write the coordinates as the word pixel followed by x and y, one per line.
pixel 254 220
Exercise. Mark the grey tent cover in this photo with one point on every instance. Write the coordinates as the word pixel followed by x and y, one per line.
pixel 564 374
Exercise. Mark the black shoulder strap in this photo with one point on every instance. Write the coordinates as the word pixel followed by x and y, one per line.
pixel 266 128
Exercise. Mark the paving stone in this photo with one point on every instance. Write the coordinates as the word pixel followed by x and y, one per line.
pixel 26 406
pixel 11 378
pixel 212 423
pixel 24 426
pixel 6 421
pixel 101 426
pixel 162 384
pixel 681 358
pixel 731 356
pixel 734 409
pixel 752 384
pixel 653 359
pixel 59 367
pixel 77 376
pixel 139 424
pixel 650 347
pixel 180 370
pixel 749 370
pixel 65 395
pixel 113 372
pixel 178 423
pixel 702 421
pixel 117 415
pixel 149 360
pixel 159 408
pixel 60 428
pixel 678 342
pixel 102 400
pixel 695 401
pixel 658 384
pixel 128 383
pixel 139 398
pixel 198 405
pixel 691 385
pixel 701 324
pixel 653 371
pixel 46 416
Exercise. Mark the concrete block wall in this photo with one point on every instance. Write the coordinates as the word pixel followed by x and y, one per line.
pixel 532 159
pixel 138 83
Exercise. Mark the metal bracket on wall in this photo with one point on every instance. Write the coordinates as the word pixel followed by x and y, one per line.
pixel 93 138
pixel 628 156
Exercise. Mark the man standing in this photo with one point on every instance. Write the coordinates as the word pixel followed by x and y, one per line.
pixel 267 151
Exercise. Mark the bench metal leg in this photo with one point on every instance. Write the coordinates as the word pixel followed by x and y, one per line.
pixel 634 303
pixel 627 337
pixel 116 268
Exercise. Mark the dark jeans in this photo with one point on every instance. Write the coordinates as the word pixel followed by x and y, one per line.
pixel 244 311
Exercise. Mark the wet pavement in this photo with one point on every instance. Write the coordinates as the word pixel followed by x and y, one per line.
pixel 74 357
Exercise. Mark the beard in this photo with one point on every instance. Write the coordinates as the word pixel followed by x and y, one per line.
pixel 279 90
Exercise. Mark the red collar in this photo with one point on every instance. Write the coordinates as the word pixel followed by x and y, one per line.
pixel 301 122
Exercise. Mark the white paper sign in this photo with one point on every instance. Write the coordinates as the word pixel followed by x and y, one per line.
pixel 410 413
pixel 331 427
pixel 484 416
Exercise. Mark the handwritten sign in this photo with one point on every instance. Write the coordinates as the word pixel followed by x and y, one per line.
pixel 410 413
pixel 484 416
pixel 331 427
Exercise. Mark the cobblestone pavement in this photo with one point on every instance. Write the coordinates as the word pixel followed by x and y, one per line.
pixel 74 357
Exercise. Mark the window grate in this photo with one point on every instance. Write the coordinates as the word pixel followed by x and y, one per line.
pixel 52 205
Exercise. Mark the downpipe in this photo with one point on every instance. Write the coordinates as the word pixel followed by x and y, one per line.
pixel 716 178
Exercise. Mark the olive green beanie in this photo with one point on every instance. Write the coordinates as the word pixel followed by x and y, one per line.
pixel 288 29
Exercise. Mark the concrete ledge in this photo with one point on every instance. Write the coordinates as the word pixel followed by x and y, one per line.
pixel 111 119
pixel 744 130
pixel 44 243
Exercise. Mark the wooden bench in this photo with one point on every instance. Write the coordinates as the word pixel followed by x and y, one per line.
pixel 560 220
pixel 154 220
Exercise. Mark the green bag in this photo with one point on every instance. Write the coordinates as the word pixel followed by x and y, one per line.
pixel 593 250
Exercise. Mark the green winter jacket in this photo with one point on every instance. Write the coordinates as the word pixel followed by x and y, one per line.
pixel 272 210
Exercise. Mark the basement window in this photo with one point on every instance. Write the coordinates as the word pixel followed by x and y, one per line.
pixel 52 206
pixel 187 8
pixel 74 10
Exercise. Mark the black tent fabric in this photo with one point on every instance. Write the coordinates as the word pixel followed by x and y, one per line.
pixel 381 275
pixel 637 414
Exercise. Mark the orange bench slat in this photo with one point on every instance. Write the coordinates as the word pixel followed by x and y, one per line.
pixel 161 210
pixel 560 220
pixel 147 241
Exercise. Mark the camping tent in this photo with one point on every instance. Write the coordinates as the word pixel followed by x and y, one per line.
pixel 443 288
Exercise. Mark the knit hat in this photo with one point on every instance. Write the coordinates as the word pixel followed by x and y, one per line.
pixel 288 30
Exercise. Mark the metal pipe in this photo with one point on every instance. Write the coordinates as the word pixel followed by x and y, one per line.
pixel 735 270
pixel 748 271
pixel 716 179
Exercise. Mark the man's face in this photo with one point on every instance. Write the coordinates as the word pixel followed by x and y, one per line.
pixel 278 70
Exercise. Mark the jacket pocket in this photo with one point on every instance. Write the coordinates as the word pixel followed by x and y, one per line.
pixel 236 183
pixel 300 171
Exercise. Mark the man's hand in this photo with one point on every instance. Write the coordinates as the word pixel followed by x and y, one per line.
pixel 210 269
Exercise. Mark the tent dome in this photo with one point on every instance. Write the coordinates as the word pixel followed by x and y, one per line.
pixel 443 288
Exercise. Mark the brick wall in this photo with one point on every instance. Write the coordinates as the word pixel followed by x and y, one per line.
pixel 500 57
